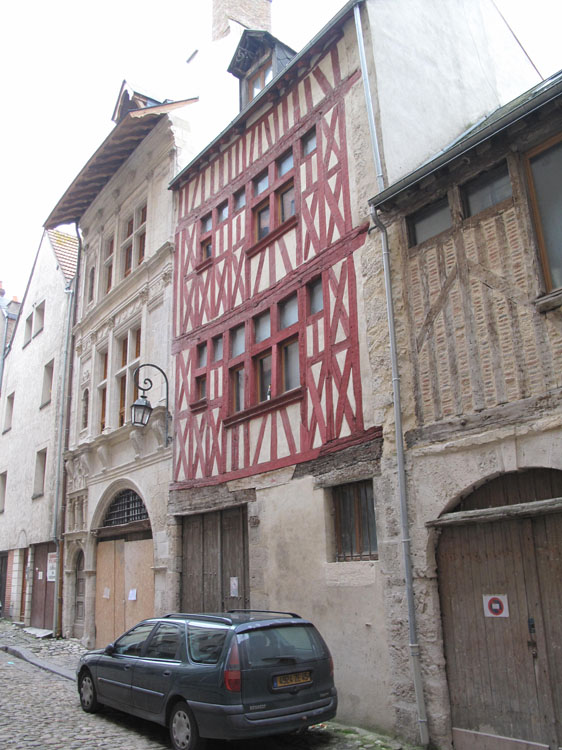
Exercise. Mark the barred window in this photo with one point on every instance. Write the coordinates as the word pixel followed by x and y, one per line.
pixel 355 527
pixel 126 507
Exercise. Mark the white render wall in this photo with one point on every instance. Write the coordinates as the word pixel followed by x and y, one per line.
pixel 439 68
pixel 27 520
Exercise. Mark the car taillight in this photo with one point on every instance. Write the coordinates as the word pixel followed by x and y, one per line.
pixel 232 675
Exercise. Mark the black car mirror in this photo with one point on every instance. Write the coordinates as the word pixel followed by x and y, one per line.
pixel 109 649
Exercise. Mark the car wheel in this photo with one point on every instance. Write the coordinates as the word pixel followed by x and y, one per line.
pixel 88 697
pixel 183 729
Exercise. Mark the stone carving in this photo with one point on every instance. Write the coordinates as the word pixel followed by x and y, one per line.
pixel 136 437
pixel 103 456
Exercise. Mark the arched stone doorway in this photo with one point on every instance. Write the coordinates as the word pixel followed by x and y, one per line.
pixel 124 567
pixel 500 583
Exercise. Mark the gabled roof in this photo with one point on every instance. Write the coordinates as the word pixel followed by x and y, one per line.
pixel 499 120
pixel 65 248
pixel 130 100
pixel 112 154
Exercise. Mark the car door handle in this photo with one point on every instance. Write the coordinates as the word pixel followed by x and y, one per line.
pixel 127 666
pixel 167 673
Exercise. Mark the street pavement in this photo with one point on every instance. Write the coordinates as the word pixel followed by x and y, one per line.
pixel 39 708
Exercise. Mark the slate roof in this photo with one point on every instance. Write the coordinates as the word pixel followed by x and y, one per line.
pixel 65 248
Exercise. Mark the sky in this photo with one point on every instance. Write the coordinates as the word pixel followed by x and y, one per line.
pixel 63 63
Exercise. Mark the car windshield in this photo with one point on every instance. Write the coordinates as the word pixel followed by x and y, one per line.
pixel 281 645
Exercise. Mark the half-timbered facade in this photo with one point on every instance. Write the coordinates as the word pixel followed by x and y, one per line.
pixel 271 365
pixel 475 240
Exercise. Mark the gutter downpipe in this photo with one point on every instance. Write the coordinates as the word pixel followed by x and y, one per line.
pixel 57 525
pixel 406 551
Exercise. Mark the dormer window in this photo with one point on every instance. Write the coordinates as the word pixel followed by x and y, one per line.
pixel 259 80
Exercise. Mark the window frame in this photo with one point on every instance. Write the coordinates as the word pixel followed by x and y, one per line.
pixel 536 218
pixel 352 494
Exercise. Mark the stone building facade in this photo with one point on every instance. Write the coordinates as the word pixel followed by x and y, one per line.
pixel 31 407
pixel 474 241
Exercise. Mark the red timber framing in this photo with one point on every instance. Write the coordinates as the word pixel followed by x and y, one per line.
pixel 265 297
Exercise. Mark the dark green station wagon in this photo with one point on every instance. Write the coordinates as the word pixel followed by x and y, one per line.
pixel 235 675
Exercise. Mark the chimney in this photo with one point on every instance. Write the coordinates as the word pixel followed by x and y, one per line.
pixel 252 14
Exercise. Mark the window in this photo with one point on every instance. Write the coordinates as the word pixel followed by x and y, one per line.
pixel 202 355
pixel 201 386
pixel 109 245
pixel 85 409
pixel 429 221
pixel 91 284
pixel 486 190
pixel 132 642
pixel 205 643
pixel 288 311
pixel 263 368
pixel 206 223
pixel 308 142
pixel 102 388
pixel 285 164
pixel 126 507
pixel 28 329
pixel 129 354
pixel 354 522
pixel 287 203
pixel 261 183
pixel 3 483
pixel 206 247
pixel 315 296
pixel 39 318
pixel 239 199
pixel 262 327
pixel 544 171
pixel 165 642
pixel 262 221
pixel 237 341
pixel 9 413
pixel 259 80
pixel 47 383
pixel 237 387
pixel 222 212
pixel 217 349
pixel 290 365
pixel 133 244
pixel 40 467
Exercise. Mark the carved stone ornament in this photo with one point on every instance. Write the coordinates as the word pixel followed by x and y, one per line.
pixel 103 456
pixel 137 440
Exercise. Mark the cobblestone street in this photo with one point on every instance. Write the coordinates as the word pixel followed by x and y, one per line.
pixel 40 709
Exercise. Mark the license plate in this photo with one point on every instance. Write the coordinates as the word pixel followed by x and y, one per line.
pixel 296 678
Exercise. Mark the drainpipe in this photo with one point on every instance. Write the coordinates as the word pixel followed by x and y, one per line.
pixel 406 551
pixel 62 441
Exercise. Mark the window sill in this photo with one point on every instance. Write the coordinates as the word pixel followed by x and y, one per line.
pixel 290 397
pixel 203 265
pixel 272 236
pixel 198 405
pixel 7 429
pixel 549 301
pixel 44 404
pixel 37 495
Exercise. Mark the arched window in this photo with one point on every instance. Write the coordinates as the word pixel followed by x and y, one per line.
pixel 125 507
pixel 85 408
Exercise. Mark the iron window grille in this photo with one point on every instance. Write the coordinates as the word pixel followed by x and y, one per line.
pixel 126 507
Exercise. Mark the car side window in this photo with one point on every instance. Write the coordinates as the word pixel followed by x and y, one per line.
pixel 165 642
pixel 132 642
pixel 205 644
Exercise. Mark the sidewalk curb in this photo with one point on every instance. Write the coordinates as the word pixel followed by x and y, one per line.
pixel 23 653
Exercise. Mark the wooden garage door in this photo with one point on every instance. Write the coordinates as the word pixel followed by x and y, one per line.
pixel 504 656
pixel 215 561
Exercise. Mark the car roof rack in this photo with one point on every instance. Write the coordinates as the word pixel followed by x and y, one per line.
pixel 262 612
pixel 196 616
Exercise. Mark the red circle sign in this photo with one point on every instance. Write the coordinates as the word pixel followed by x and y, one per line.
pixel 495 606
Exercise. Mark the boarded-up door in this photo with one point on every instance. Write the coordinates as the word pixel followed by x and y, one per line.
pixel 43 591
pixel 504 663
pixel 79 597
pixel 215 561
pixel 124 586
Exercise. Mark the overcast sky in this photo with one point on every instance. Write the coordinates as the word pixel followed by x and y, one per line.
pixel 63 62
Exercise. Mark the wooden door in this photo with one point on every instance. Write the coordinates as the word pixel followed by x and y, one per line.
pixel 215 561
pixel 3 574
pixel 43 591
pixel 503 664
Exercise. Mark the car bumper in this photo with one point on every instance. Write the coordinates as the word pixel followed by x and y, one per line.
pixel 232 722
